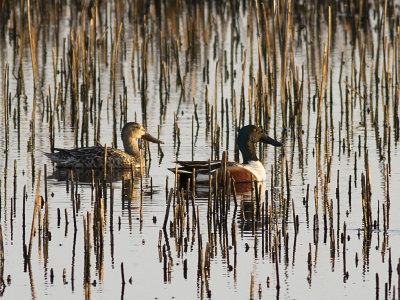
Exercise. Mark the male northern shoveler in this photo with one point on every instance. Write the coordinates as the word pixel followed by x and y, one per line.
pixel 251 168
pixel 93 157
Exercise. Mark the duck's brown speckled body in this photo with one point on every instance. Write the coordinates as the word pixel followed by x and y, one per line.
pixel 93 157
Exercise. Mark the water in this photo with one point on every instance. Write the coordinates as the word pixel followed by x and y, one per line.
pixel 135 242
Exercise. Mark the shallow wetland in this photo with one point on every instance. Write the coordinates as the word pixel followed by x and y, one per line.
pixel 322 77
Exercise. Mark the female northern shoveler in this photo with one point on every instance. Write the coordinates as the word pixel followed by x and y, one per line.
pixel 93 157
pixel 251 168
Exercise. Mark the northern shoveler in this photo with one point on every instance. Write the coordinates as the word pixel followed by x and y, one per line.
pixel 93 157
pixel 251 168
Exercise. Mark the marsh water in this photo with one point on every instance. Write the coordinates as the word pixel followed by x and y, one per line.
pixel 193 73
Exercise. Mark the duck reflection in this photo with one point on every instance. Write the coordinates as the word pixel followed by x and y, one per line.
pixel 133 182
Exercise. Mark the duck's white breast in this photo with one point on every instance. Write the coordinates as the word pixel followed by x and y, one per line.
pixel 257 168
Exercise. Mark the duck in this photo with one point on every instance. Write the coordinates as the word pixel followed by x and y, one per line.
pixel 93 157
pixel 250 169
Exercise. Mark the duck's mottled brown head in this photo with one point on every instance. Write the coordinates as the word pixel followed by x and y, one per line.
pixel 133 130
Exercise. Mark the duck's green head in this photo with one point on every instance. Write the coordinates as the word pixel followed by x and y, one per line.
pixel 248 136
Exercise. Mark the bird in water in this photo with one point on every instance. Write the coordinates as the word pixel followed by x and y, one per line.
pixel 93 157
pixel 250 169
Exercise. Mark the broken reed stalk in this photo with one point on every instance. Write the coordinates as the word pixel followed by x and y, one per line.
pixel 252 287
pixel 32 43
pixel 87 225
pixel 73 200
pixel 6 110
pixel 105 163
pixel 122 274
pixel 278 286
pixel 1 250
pixel 37 197
pixel 167 209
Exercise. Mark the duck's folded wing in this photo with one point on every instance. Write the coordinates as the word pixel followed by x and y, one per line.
pixel 199 165
pixel 68 157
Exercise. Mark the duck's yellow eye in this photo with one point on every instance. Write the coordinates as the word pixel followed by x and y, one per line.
pixel 254 129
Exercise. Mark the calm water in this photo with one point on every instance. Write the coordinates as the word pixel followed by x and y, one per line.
pixel 135 243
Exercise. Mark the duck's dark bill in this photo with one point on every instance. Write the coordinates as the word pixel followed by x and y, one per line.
pixel 268 140
pixel 151 138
